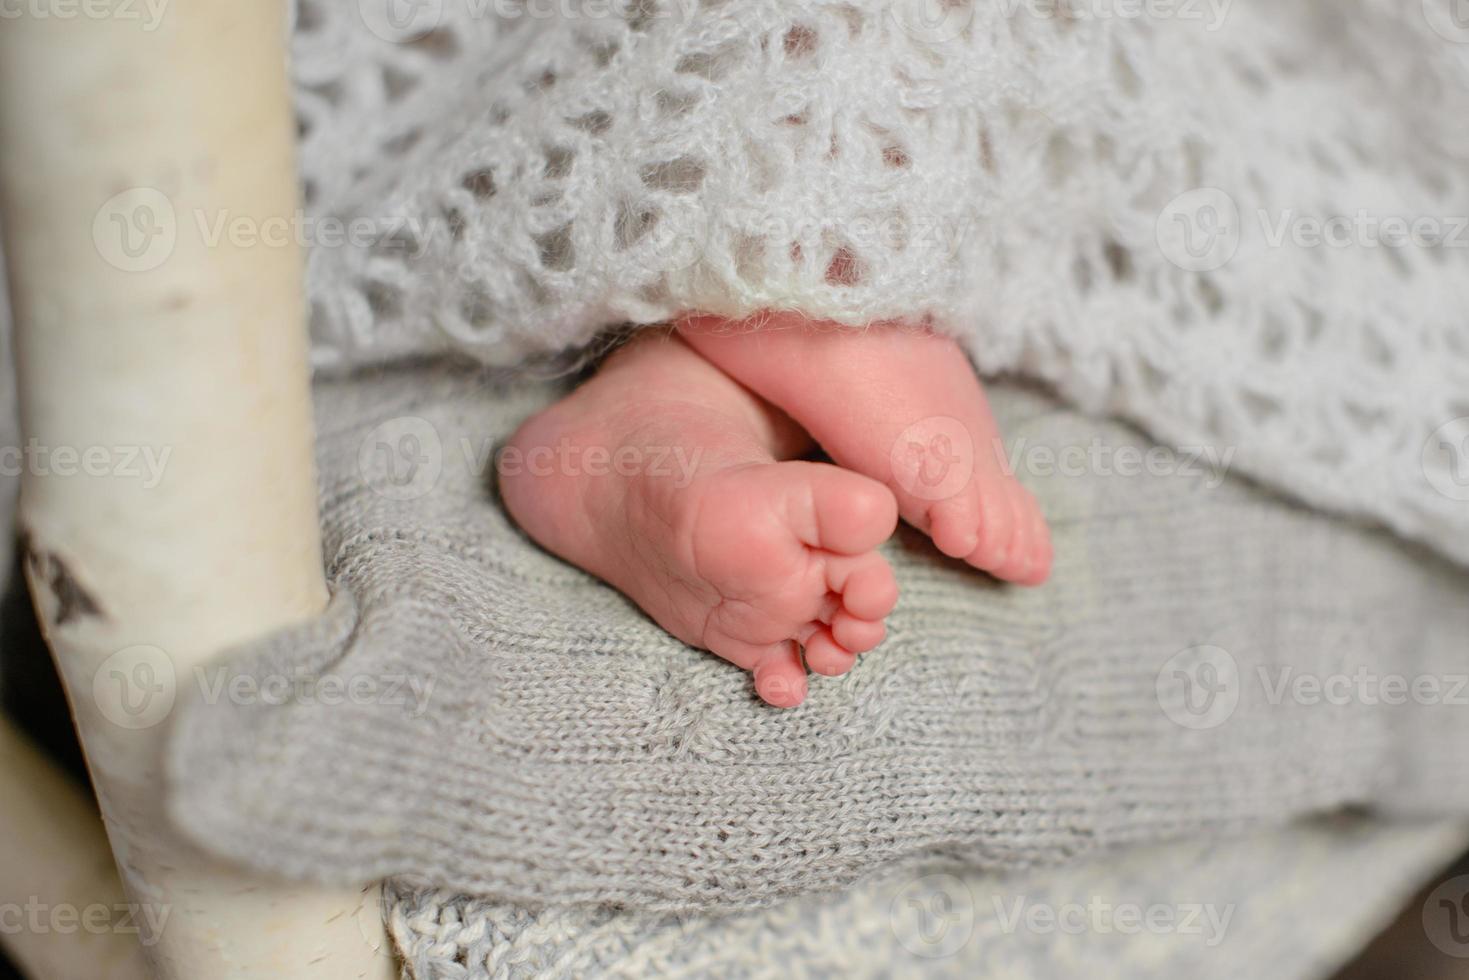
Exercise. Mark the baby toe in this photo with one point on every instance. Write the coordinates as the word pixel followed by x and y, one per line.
pixel 842 511
pixel 1026 559
pixel 780 679
pixel 857 635
pixel 954 524
pixel 996 530
pixel 1020 553
pixel 1038 568
pixel 867 586
pixel 825 656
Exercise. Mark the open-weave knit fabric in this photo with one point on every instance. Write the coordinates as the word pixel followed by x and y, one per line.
pixel 507 725
pixel 1124 199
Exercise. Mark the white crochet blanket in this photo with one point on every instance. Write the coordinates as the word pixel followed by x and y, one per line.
pixel 1239 224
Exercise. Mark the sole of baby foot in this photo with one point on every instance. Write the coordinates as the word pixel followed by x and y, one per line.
pixel 903 406
pixel 782 555
pixel 744 555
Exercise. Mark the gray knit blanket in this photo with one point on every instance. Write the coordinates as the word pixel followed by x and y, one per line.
pixel 1293 904
pixel 1207 660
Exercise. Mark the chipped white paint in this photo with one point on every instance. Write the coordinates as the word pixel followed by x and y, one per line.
pixel 133 329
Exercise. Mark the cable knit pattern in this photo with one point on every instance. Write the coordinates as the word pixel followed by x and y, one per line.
pixel 1120 205
pixel 522 731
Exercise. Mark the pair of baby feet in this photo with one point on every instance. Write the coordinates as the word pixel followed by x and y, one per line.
pixel 676 475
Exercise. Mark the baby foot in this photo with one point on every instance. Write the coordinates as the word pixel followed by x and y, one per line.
pixel 691 515
pixel 902 406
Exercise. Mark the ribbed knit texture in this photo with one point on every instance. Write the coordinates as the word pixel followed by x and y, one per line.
pixel 1242 224
pixel 571 751
pixel 1293 905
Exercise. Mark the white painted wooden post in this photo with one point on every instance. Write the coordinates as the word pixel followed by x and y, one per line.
pixel 58 879
pixel 126 133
